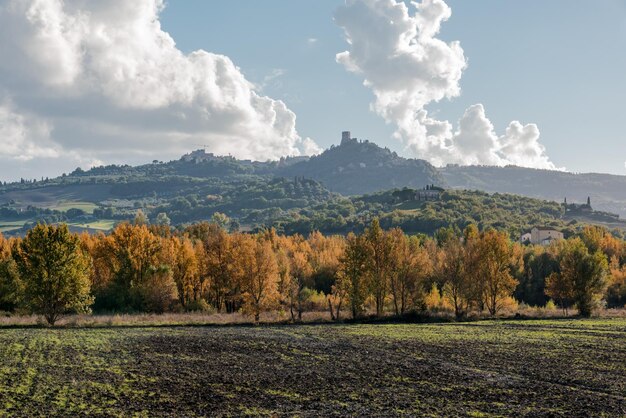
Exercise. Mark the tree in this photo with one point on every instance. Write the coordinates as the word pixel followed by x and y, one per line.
pixel 140 218
pixel 10 283
pixel 584 272
pixel 325 259
pixel 409 265
pixel 220 220
pixel 353 272
pixel 560 289
pixel 220 267
pixel 181 258
pixel 300 271
pixel 131 253
pixel 451 271
pixel 158 292
pixel 162 219
pixel 259 275
pixel 55 271
pixel 380 248
pixel 495 258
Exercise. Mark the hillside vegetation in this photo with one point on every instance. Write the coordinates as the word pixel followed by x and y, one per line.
pixel 607 192
pixel 339 191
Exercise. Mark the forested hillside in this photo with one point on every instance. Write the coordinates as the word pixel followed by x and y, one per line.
pixel 607 192
pixel 359 167
pixel 339 191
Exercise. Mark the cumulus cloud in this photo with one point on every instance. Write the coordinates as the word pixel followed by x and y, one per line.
pixel 396 50
pixel 109 83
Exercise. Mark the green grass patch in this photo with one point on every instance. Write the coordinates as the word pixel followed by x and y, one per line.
pixel 100 224
pixel 64 206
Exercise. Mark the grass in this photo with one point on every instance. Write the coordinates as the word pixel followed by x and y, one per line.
pixel 64 206
pixel 7 226
pixel 100 224
pixel 542 367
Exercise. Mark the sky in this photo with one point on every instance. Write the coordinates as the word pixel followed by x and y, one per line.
pixel 533 83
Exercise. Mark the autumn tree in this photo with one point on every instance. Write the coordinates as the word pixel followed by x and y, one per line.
pixel 495 259
pixel 131 254
pixel 180 256
pixel 354 271
pixel 259 275
pixel 300 271
pixel 452 273
pixel 326 253
pixel 409 266
pixel 10 283
pixel 380 253
pixel 616 290
pixel 55 271
pixel 560 289
pixel 220 267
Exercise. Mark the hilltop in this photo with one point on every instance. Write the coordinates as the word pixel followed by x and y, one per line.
pixel 337 191
pixel 358 167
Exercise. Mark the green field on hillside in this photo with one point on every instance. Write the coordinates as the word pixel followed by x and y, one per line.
pixel 64 206
pixel 491 368
pixel 7 226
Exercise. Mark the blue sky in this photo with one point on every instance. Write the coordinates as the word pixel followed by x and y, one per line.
pixel 559 64
pixel 534 83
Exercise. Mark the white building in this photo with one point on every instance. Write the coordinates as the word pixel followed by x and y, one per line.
pixel 541 236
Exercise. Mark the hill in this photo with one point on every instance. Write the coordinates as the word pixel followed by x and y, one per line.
pixel 359 167
pixel 607 192
pixel 339 191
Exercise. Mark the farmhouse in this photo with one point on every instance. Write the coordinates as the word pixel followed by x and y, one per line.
pixel 541 236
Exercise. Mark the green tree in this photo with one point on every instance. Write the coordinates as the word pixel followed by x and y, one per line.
pixel 55 272
pixel 162 219
pixel 585 273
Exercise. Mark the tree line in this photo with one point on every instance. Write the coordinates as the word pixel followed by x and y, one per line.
pixel 152 268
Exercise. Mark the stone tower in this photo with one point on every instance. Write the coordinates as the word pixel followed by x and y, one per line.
pixel 345 137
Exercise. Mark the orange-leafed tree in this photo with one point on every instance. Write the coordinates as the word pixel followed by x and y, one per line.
pixel 180 256
pixel 452 273
pixel 495 259
pixel 326 253
pixel 259 275
pixel 409 266
pixel 381 252
pixel 11 289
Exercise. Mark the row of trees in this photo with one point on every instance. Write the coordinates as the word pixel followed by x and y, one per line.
pixel 140 267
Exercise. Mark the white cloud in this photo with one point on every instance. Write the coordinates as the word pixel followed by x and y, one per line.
pixel 312 41
pixel 396 50
pixel 24 139
pixel 105 73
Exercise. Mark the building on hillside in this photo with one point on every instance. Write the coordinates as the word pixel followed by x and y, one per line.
pixel 576 208
pixel 429 193
pixel 541 236
pixel 198 156
pixel 525 238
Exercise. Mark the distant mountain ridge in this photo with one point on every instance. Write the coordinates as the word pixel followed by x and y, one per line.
pixel 352 168
pixel 607 191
